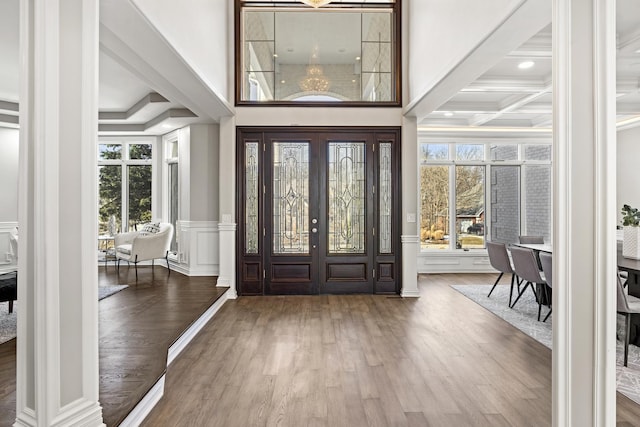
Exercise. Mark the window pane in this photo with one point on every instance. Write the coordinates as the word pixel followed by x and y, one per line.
pixel 469 152
pixel 140 151
pixel 386 198
pixel 505 204
pixel 435 152
pixel 139 195
pixel 347 197
pixel 109 151
pixel 172 150
pixel 252 206
pixel 537 152
pixel 109 199
pixel 290 198
pixel 537 181
pixel 434 207
pixel 280 62
pixel 173 202
pixel 503 152
pixel 470 207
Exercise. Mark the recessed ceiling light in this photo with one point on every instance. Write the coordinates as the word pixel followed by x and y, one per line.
pixel 357 58
pixel 275 55
pixel 283 81
pixel 448 114
pixel 353 81
pixel 526 64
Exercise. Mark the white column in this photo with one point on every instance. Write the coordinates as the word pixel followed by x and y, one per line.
pixel 227 226
pixel 410 215
pixel 57 354
pixel 584 156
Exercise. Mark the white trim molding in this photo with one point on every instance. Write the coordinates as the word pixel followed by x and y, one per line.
pixel 198 244
pixel 410 246
pixel 584 156
pixel 228 257
pixel 437 261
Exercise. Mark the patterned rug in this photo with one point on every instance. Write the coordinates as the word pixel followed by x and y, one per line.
pixel 524 317
pixel 8 321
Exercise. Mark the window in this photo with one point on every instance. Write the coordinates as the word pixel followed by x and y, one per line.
pixel 472 190
pixel 291 53
pixel 124 185
pixel 172 193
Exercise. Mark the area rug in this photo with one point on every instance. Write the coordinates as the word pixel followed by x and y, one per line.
pixel 8 321
pixel 524 317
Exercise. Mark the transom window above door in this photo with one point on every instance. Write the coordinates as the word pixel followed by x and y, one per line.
pixel 291 53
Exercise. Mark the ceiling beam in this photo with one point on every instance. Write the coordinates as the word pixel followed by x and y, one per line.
pixel 512 106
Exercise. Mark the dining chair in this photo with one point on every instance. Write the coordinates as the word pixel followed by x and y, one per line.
pixel 499 259
pixel 526 267
pixel 626 308
pixel 547 268
pixel 531 239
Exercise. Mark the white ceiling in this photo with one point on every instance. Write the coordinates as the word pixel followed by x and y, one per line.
pixel 503 96
pixel 506 96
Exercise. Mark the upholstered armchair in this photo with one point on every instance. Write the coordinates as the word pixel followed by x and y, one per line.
pixel 151 242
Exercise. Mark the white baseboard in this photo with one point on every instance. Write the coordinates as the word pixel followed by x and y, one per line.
pixel 148 402
pixel 182 342
pixel 153 396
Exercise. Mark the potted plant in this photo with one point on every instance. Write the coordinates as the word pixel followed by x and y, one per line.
pixel 631 232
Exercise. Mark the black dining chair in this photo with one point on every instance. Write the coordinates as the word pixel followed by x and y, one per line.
pixel 546 259
pixel 499 259
pixel 526 267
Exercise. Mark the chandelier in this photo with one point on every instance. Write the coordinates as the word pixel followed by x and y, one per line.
pixel 315 81
pixel 316 3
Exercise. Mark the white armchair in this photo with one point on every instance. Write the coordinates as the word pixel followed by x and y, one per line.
pixel 143 245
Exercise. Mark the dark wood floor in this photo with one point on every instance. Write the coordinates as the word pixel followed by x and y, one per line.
pixel 440 360
pixel 137 326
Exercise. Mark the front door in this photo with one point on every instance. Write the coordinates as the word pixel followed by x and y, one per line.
pixel 318 212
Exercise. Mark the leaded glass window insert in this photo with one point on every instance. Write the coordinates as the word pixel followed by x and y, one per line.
pixel 347 197
pixel 290 197
pixel 385 198
pixel 252 200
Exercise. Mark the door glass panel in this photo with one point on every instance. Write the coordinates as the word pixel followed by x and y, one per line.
pixel 347 197
pixel 385 198
pixel 251 192
pixel 290 198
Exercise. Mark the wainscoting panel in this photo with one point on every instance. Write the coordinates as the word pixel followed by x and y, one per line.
pixel 6 228
pixel 198 243
pixel 467 262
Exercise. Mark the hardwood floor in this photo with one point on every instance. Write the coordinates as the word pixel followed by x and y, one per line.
pixel 137 326
pixel 363 360
pixel 330 360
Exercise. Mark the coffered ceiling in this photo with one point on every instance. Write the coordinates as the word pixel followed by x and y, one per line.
pixel 511 95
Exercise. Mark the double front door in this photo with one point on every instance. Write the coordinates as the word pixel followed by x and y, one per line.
pixel 318 211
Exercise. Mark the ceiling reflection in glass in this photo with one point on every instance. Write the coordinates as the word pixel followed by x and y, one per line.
pixel 318 55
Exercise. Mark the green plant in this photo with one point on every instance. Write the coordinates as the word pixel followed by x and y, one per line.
pixel 630 216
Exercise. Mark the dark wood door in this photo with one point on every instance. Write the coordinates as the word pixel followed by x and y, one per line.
pixel 318 212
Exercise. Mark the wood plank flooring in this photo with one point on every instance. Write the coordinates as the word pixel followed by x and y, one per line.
pixel 363 360
pixel 136 326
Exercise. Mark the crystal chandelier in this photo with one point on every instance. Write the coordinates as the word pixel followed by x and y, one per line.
pixel 316 3
pixel 315 81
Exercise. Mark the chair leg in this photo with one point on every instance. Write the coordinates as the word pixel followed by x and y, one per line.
pixel 513 277
pixel 539 300
pixel 10 307
pixel 494 285
pixel 547 316
pixel 166 257
pixel 521 293
pixel 136 265
pixel 627 319
pixel 118 265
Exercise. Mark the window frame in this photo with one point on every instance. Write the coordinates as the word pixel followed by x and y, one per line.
pixel 124 162
pixel 487 163
pixel 396 86
pixel 170 160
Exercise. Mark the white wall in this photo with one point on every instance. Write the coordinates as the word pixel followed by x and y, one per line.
pixel 8 175
pixel 442 33
pixel 628 186
pixel 198 30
